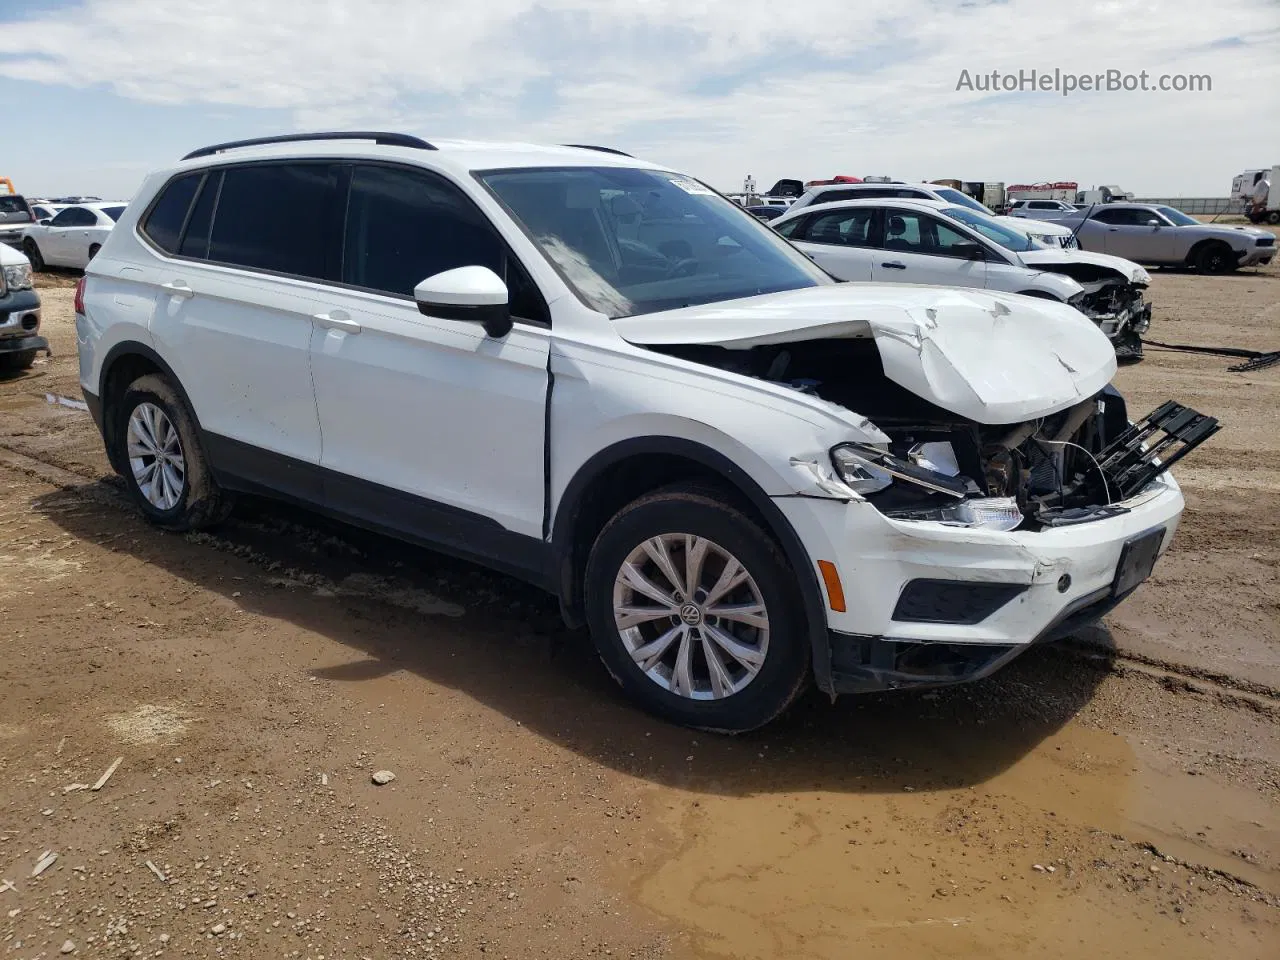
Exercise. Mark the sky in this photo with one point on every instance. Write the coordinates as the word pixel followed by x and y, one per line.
pixel 96 93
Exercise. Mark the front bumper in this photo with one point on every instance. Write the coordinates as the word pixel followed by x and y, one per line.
pixel 1255 257
pixel 1065 575
pixel 20 321
pixel 19 344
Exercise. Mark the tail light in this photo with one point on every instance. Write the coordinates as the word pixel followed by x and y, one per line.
pixel 79 303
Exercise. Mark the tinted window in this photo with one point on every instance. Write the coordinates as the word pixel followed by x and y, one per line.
pixel 75 217
pixel 274 217
pixel 918 233
pixel 195 241
pixel 631 241
pixel 164 223
pixel 404 226
pixel 788 229
pixel 113 212
pixel 1121 217
pixel 1042 205
pixel 847 228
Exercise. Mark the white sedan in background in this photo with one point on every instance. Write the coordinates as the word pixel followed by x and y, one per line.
pixel 72 237
pixel 899 240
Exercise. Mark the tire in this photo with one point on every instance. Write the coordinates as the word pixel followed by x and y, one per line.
pixel 93 250
pixel 18 360
pixel 197 501
pixel 1215 258
pixel 1273 217
pixel 33 254
pixel 737 700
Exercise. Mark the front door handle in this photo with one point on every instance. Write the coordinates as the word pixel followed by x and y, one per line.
pixel 179 289
pixel 895 265
pixel 337 320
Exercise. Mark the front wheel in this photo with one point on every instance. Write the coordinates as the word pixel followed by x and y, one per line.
pixel 164 466
pixel 696 613
pixel 1273 217
pixel 1216 258
pixel 33 254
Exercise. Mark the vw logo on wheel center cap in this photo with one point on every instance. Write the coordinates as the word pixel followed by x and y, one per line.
pixel 690 614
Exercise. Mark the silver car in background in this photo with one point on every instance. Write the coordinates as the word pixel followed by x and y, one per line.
pixel 1158 235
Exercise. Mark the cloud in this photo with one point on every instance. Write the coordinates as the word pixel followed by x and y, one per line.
pixel 721 87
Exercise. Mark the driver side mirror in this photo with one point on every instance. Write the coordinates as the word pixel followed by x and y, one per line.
pixel 46 221
pixel 1153 223
pixel 471 294
pixel 970 251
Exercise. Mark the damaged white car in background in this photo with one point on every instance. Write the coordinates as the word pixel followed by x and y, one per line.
pixel 896 240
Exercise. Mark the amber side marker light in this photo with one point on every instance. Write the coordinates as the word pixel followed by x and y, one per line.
pixel 835 592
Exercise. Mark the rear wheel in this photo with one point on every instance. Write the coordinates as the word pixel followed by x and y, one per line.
pixel 164 466
pixel 1215 258
pixel 33 254
pixel 696 613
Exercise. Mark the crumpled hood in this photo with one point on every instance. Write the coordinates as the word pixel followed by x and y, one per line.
pixel 1131 271
pixel 990 357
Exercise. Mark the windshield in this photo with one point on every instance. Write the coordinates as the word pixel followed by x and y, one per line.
pixel 112 212
pixel 955 196
pixel 993 230
pixel 638 241
pixel 1178 218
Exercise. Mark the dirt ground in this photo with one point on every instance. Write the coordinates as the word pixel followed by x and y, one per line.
pixel 1112 795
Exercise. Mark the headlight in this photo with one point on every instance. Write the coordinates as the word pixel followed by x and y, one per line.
pixel 857 471
pixel 868 469
pixel 18 276
pixel 989 513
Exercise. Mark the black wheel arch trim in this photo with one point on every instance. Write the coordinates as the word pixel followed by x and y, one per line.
pixel 126 348
pixel 568 568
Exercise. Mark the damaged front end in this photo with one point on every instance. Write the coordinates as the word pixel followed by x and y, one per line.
pixel 1075 467
pixel 1114 297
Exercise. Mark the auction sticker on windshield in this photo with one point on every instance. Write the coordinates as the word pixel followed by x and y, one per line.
pixel 692 186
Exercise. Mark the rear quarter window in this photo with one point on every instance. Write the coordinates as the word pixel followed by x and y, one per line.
pixel 163 225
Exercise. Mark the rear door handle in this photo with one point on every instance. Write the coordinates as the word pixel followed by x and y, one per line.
pixel 895 265
pixel 179 289
pixel 337 320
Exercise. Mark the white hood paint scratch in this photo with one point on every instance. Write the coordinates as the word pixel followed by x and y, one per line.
pixel 989 357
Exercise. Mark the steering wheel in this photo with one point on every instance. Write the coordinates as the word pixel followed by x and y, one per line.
pixel 680 267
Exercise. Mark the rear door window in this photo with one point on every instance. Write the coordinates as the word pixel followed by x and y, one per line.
pixel 275 217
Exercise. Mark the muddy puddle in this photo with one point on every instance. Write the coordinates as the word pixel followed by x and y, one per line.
pixel 1063 853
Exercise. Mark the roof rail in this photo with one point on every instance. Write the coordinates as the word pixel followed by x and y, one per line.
pixel 378 137
pixel 587 146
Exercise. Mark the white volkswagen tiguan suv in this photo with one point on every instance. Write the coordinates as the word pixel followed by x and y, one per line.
pixel 597 374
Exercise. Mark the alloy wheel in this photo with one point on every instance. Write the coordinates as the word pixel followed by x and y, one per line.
pixel 155 456
pixel 691 616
